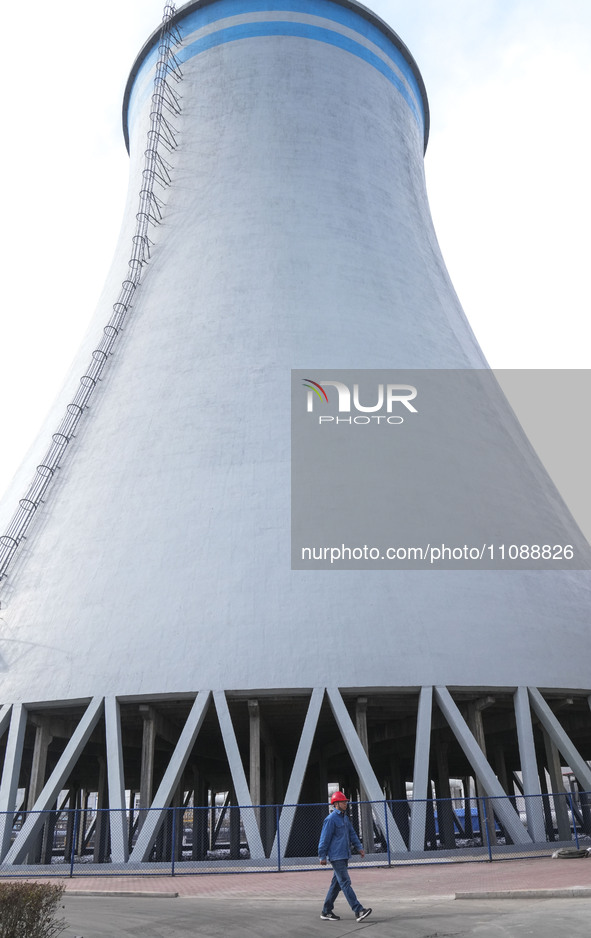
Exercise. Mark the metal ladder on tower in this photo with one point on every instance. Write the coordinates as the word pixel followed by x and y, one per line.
pixel 161 142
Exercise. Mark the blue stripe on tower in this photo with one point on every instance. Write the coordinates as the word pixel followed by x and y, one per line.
pixel 304 31
pixel 219 11
pixel 329 11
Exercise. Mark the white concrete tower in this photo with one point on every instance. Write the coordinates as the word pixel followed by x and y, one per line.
pixel 277 219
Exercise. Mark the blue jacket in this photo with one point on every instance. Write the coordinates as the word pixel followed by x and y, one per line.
pixel 336 837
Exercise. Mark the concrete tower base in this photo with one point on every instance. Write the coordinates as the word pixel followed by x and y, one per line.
pixel 269 751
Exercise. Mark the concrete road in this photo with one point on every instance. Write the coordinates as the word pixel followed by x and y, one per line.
pixel 232 917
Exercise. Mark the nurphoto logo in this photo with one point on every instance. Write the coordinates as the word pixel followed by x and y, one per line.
pixel 387 398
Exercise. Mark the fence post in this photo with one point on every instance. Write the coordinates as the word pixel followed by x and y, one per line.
pixel 572 814
pixel 173 844
pixel 278 838
pixel 485 825
pixel 387 832
pixel 74 840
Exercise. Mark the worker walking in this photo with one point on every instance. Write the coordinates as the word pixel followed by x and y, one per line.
pixel 335 845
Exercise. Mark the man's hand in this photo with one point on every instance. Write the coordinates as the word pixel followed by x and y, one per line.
pixel 323 862
pixel 362 854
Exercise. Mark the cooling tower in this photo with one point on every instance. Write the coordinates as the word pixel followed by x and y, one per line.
pixel 154 637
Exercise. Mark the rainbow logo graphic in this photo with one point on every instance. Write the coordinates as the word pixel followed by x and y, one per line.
pixel 317 388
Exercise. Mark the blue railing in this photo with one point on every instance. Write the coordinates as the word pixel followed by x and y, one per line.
pixel 280 838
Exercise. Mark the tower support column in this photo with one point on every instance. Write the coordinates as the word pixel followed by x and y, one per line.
pixel 558 790
pixel 254 722
pixel 486 817
pixel 420 784
pixel 11 774
pixel 101 831
pixel 444 805
pixel 529 772
pixel 147 766
pixel 43 738
pixel 366 808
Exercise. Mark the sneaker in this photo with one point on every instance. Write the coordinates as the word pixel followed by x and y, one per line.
pixel 363 913
pixel 330 917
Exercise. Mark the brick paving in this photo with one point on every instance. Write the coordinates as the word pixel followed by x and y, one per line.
pixel 372 884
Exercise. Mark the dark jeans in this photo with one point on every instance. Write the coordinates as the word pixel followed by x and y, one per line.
pixel 340 881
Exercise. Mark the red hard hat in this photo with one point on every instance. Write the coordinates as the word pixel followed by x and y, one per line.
pixel 338 796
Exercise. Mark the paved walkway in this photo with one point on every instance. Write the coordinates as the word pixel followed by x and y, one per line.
pixel 372 884
pixel 548 898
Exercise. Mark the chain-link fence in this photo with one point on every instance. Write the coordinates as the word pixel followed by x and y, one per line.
pixel 274 838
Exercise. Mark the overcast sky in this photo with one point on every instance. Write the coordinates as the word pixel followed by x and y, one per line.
pixel 507 172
